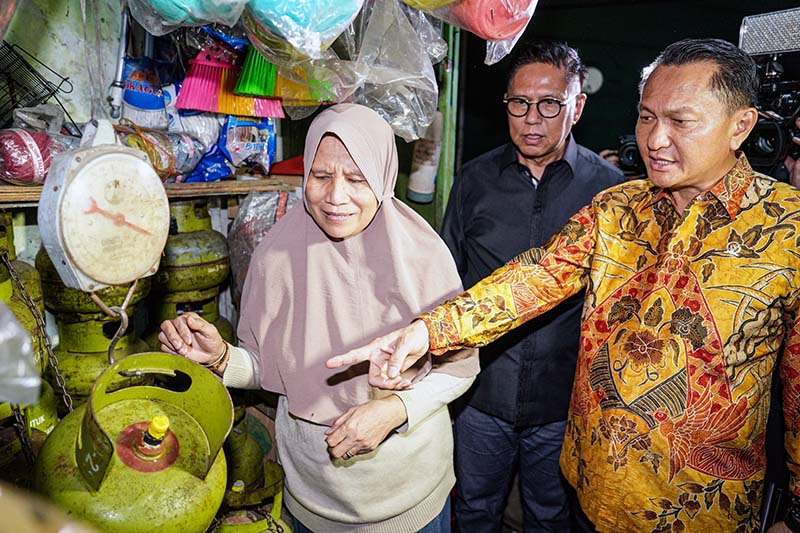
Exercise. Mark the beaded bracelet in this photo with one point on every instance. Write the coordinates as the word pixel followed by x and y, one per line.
pixel 792 519
pixel 219 361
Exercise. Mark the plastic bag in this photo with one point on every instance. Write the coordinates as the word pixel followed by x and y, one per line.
pixel 249 140
pixel 143 99
pixel 25 155
pixel 310 26
pixel 43 117
pixel 214 166
pixel 19 376
pixel 398 78
pixel 429 30
pixel 500 22
pixel 258 212
pixel 159 17
pixel 203 126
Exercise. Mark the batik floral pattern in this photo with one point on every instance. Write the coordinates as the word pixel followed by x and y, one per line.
pixel 685 316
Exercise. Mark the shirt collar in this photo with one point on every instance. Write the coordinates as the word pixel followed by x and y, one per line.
pixel 571 153
pixel 509 156
pixel 728 191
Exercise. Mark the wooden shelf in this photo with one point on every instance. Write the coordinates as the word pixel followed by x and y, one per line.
pixel 26 196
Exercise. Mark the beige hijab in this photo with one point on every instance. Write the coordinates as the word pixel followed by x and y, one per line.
pixel 307 298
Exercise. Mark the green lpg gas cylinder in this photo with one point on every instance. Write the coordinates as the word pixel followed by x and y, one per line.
pixel 59 298
pixel 83 352
pixel 84 332
pixel 196 256
pixel 204 302
pixel 27 273
pixel 41 419
pixel 142 458
pixel 10 296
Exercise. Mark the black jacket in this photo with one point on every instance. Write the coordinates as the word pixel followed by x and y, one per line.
pixel 494 213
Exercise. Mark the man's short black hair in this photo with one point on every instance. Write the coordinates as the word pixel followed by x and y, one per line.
pixel 736 76
pixel 555 53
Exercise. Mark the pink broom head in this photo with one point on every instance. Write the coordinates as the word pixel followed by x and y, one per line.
pixel 201 86
pixel 493 20
pixel 268 107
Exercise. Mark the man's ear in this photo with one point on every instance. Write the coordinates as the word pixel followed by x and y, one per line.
pixel 580 102
pixel 744 120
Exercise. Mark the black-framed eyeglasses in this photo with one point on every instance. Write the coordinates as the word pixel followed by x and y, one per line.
pixel 547 107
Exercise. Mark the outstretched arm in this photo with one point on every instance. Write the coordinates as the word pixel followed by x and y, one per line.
pixel 527 286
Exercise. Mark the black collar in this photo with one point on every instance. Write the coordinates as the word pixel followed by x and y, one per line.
pixel 509 155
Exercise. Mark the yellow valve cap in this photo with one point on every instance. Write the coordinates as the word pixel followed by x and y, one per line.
pixel 158 426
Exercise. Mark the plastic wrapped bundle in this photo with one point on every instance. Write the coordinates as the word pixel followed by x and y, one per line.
pixel 500 22
pixel 25 155
pixel 159 17
pixel 171 154
pixel 493 20
pixel 308 25
pixel 204 127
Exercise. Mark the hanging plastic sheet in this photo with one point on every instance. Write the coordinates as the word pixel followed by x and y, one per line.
pixel 383 60
pixel 19 376
pixel 159 17
pixel 500 22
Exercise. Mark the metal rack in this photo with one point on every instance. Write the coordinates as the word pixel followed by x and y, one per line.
pixel 21 85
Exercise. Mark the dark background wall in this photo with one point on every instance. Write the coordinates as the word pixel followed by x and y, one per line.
pixel 617 36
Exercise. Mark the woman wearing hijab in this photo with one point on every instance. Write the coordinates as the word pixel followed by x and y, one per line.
pixel 352 263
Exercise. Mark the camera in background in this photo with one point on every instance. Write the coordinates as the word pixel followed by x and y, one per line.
pixel 770 142
pixel 774 44
pixel 630 161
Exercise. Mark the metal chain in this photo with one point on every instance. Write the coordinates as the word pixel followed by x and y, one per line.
pixel 21 422
pixel 26 297
pixel 273 524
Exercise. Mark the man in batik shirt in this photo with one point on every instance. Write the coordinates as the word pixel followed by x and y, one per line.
pixel 693 286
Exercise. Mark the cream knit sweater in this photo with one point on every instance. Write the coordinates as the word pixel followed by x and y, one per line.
pixel 397 488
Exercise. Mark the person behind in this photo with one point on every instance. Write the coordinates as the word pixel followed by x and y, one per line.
pixel 693 289
pixel 791 164
pixel 502 203
pixel 353 261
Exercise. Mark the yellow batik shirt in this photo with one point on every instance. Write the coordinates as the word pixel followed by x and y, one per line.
pixel 684 320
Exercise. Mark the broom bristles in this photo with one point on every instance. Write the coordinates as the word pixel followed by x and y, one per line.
pixel 201 87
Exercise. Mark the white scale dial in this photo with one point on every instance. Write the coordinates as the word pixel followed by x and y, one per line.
pixel 114 220
pixel 103 216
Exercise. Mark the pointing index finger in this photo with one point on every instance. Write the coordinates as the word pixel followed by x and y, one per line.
pixel 350 358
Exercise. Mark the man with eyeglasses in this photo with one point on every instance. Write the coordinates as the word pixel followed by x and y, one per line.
pixel 504 202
